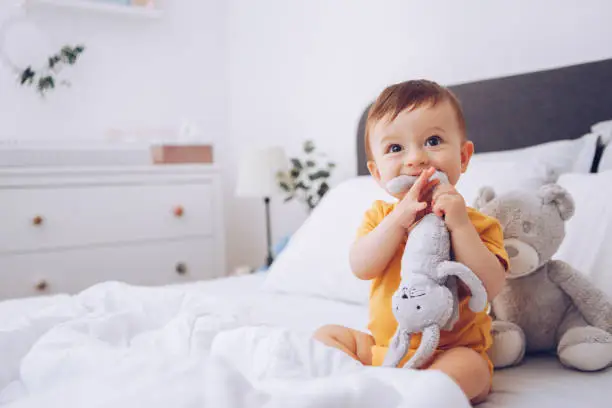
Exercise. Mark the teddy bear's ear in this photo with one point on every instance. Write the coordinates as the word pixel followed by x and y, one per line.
pixel 485 195
pixel 554 193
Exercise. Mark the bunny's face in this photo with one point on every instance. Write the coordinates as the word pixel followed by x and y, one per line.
pixel 420 304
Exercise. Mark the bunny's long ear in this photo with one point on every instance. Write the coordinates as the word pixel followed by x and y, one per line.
pixel 398 347
pixel 485 195
pixel 560 197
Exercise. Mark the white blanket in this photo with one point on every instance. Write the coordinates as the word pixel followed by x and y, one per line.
pixel 120 346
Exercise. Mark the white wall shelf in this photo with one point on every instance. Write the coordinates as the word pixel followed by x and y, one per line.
pixel 95 6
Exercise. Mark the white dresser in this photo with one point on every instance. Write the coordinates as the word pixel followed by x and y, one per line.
pixel 64 229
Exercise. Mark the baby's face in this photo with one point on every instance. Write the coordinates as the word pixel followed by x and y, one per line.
pixel 416 140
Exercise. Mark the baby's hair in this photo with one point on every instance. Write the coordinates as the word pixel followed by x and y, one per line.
pixel 409 95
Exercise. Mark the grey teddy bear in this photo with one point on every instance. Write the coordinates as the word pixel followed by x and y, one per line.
pixel 545 305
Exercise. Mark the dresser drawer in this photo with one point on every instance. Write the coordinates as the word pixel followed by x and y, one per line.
pixel 80 216
pixel 74 270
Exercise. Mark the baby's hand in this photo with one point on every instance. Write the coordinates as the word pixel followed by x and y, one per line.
pixel 449 203
pixel 416 201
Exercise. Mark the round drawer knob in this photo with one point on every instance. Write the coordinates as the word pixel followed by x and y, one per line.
pixel 178 211
pixel 37 220
pixel 41 285
pixel 181 268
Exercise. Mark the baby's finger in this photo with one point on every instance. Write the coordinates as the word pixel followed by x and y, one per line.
pixel 421 181
pixel 428 190
pixel 438 209
pixel 443 189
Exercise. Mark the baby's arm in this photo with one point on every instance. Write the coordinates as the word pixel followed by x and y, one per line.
pixel 466 242
pixel 473 253
pixel 371 253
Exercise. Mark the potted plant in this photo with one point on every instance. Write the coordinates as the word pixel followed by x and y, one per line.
pixel 307 178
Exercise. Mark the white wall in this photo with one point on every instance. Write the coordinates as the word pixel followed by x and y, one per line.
pixel 306 69
pixel 135 74
pixel 280 71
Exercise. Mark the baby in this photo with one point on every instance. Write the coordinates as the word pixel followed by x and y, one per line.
pixel 416 128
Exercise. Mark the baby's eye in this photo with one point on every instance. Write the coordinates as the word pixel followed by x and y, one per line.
pixel 394 148
pixel 433 141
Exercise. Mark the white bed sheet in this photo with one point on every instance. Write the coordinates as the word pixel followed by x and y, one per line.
pixel 540 382
pixel 222 343
pixel 302 313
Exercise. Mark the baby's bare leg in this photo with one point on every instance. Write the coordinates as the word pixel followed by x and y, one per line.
pixel 353 342
pixel 469 369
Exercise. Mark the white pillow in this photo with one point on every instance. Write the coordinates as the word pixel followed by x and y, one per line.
pixel 588 241
pixel 316 259
pixel 503 176
pixel 562 156
pixel 605 162
pixel 604 129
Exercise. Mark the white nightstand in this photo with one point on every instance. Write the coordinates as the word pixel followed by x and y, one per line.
pixel 63 229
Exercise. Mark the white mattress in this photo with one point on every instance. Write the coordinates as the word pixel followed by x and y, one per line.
pixel 540 382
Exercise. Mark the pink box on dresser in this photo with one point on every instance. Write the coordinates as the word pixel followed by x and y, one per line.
pixel 175 154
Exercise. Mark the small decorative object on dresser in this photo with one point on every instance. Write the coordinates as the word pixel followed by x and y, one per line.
pixel 181 153
pixel 67 228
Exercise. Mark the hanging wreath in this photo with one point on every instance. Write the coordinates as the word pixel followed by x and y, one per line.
pixel 44 78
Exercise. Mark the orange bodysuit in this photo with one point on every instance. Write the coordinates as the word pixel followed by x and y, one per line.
pixel 472 330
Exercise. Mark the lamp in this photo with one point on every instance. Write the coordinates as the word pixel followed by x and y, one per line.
pixel 258 177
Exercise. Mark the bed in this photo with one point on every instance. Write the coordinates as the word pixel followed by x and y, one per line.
pixel 245 341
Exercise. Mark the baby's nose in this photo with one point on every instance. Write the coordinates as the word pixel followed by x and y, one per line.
pixel 416 157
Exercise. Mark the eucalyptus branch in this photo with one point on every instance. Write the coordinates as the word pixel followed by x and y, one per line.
pixel 45 78
pixel 307 179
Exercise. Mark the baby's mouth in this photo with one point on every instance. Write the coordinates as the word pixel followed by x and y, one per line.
pixel 414 173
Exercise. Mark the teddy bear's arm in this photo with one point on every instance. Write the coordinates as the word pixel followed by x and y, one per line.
pixel 593 303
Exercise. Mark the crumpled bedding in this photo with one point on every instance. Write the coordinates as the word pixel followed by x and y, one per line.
pixel 116 345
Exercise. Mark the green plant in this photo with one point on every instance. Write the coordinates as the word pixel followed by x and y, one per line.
pixel 307 179
pixel 45 77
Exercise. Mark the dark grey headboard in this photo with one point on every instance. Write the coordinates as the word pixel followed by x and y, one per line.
pixel 528 109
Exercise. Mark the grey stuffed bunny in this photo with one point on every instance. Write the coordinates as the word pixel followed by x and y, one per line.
pixel 426 300
pixel 545 305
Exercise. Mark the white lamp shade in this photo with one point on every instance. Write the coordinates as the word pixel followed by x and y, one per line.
pixel 258 172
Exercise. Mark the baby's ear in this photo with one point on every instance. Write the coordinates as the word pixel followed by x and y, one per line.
pixel 373 169
pixel 560 197
pixel 485 195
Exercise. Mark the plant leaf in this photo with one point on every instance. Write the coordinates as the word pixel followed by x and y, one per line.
pixel 285 186
pixel 27 76
pixel 331 165
pixel 310 202
pixel 287 199
pixel 310 163
pixel 323 188
pixel 297 164
pixel 52 61
pixel 45 83
pixel 301 185
pixel 319 174
pixel 309 146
